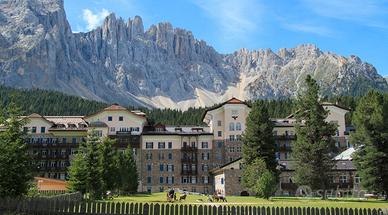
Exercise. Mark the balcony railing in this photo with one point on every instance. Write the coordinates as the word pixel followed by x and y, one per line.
pixel 189 172
pixel 285 137
pixel 189 148
pixel 189 160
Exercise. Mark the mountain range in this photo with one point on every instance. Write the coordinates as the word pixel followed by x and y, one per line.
pixel 161 66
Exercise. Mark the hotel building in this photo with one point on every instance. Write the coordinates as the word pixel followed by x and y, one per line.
pixel 166 156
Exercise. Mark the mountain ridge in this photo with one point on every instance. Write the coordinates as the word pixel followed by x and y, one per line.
pixel 161 66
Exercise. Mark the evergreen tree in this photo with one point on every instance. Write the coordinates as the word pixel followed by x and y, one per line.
pixel 87 161
pixel 109 164
pixel 15 170
pixel 314 144
pixel 258 179
pixel 371 140
pixel 78 172
pixel 258 140
pixel 128 171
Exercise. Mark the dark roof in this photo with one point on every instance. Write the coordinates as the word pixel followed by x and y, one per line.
pixel 98 124
pixel 233 100
pixel 219 168
pixel 340 165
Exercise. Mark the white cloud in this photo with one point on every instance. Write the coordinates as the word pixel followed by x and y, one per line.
pixel 369 13
pixel 308 28
pixel 93 20
pixel 234 18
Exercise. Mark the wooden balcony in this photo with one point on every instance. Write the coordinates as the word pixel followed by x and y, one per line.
pixel 189 148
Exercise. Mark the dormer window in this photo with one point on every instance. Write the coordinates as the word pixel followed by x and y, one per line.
pixel 110 118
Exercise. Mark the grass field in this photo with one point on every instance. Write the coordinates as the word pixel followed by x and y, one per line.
pixel 249 200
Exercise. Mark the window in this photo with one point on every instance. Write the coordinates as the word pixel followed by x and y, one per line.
pixel 33 130
pixel 219 123
pixel 238 149
pixel 169 180
pixel 149 156
pixel 205 179
pixel 161 179
pixel 219 133
pixel 161 156
pixel 277 155
pixel 110 118
pixel 231 149
pixel 161 145
pixel 74 140
pixel 206 156
pixel 231 126
pixel 222 180
pixel 205 167
pixel 343 179
pixel 193 179
pixel 205 145
pixel 238 126
pixel 149 145
pixel 170 156
pixel 121 118
pixel 286 155
pixel 149 181
pixel 149 167
pixel 112 129
pixel 161 167
pixel 170 168
pixel 25 129
pixel 231 138
pixel 238 137
pixel 357 180
pixel 42 130
pixel 220 144
pixel 170 145
pixel 64 140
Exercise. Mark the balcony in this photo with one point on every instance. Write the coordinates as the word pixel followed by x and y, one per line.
pixel 189 148
pixel 285 137
pixel 189 160
pixel 189 172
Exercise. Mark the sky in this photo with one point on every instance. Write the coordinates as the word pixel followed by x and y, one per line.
pixel 345 27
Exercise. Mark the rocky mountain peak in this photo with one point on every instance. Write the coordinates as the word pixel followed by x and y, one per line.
pixel 160 67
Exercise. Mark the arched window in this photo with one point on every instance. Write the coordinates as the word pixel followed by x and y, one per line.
pixel 238 126
pixel 231 126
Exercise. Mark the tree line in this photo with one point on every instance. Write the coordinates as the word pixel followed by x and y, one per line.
pixel 98 167
pixel 314 147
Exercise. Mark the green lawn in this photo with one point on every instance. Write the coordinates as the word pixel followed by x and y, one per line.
pixel 276 201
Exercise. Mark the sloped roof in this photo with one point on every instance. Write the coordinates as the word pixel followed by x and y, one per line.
pixel 233 100
pixel 116 107
pixel 346 155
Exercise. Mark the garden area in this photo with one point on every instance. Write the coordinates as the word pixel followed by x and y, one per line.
pixel 251 200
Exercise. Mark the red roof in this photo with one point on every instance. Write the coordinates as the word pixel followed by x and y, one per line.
pixel 115 107
pixel 234 101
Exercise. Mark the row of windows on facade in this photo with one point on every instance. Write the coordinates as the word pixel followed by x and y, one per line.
pixel 184 180
pixel 53 164
pixel 193 189
pixel 34 129
pixel 162 145
pixel 170 167
pixel 55 175
pixel 125 129
pixel 205 156
pixel 62 152
pixel 64 140
pixel 342 179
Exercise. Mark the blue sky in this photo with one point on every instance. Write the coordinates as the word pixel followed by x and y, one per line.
pixel 346 27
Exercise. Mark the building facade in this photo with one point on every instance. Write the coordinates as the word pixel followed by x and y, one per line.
pixel 166 156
